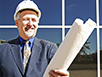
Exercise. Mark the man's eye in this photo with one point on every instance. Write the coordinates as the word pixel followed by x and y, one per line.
pixel 33 20
pixel 25 19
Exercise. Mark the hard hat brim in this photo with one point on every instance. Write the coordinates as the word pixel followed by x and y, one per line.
pixel 21 10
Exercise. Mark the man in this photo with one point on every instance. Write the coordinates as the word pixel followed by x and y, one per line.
pixel 13 62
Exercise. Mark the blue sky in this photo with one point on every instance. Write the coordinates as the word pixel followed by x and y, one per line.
pixel 83 9
pixel 51 15
pixel 51 11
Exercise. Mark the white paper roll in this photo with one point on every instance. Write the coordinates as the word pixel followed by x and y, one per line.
pixel 69 48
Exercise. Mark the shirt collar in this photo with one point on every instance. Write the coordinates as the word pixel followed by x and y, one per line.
pixel 31 41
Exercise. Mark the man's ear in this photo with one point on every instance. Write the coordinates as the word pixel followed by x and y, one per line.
pixel 16 23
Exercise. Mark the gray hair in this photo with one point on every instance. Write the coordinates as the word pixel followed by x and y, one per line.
pixel 18 16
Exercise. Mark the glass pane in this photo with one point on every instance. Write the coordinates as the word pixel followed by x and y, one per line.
pixel 82 9
pixel 50 34
pixel 85 63
pixel 8 33
pixel 51 11
pixel 6 12
pixel 53 35
pixel 101 50
pixel 100 12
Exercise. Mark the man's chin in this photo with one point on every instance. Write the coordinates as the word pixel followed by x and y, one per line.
pixel 29 34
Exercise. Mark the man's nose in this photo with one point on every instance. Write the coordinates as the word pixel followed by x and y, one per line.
pixel 30 23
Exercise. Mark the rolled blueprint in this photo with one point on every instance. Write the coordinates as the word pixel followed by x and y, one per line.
pixel 69 48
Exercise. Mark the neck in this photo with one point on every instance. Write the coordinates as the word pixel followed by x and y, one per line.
pixel 26 38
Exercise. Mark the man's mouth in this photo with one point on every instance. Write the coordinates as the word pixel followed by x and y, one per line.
pixel 28 28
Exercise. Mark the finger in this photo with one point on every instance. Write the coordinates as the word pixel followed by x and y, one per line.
pixel 50 75
pixel 53 74
pixel 61 72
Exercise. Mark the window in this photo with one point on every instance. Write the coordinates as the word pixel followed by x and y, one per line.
pixel 57 18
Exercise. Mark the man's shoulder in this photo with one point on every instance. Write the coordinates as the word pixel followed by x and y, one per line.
pixel 4 46
pixel 14 41
pixel 46 42
pixel 8 43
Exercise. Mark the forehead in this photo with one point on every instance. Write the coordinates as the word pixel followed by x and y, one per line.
pixel 28 13
pixel 31 16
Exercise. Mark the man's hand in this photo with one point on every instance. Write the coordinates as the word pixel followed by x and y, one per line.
pixel 58 73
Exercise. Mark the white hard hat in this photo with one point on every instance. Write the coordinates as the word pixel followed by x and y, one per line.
pixel 27 4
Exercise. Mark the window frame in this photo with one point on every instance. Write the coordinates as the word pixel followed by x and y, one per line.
pixel 63 27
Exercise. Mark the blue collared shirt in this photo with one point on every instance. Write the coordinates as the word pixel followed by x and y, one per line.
pixel 22 44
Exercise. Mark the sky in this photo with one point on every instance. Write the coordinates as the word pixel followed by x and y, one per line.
pixel 82 9
pixel 51 11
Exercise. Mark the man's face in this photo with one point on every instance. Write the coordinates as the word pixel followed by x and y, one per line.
pixel 27 24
